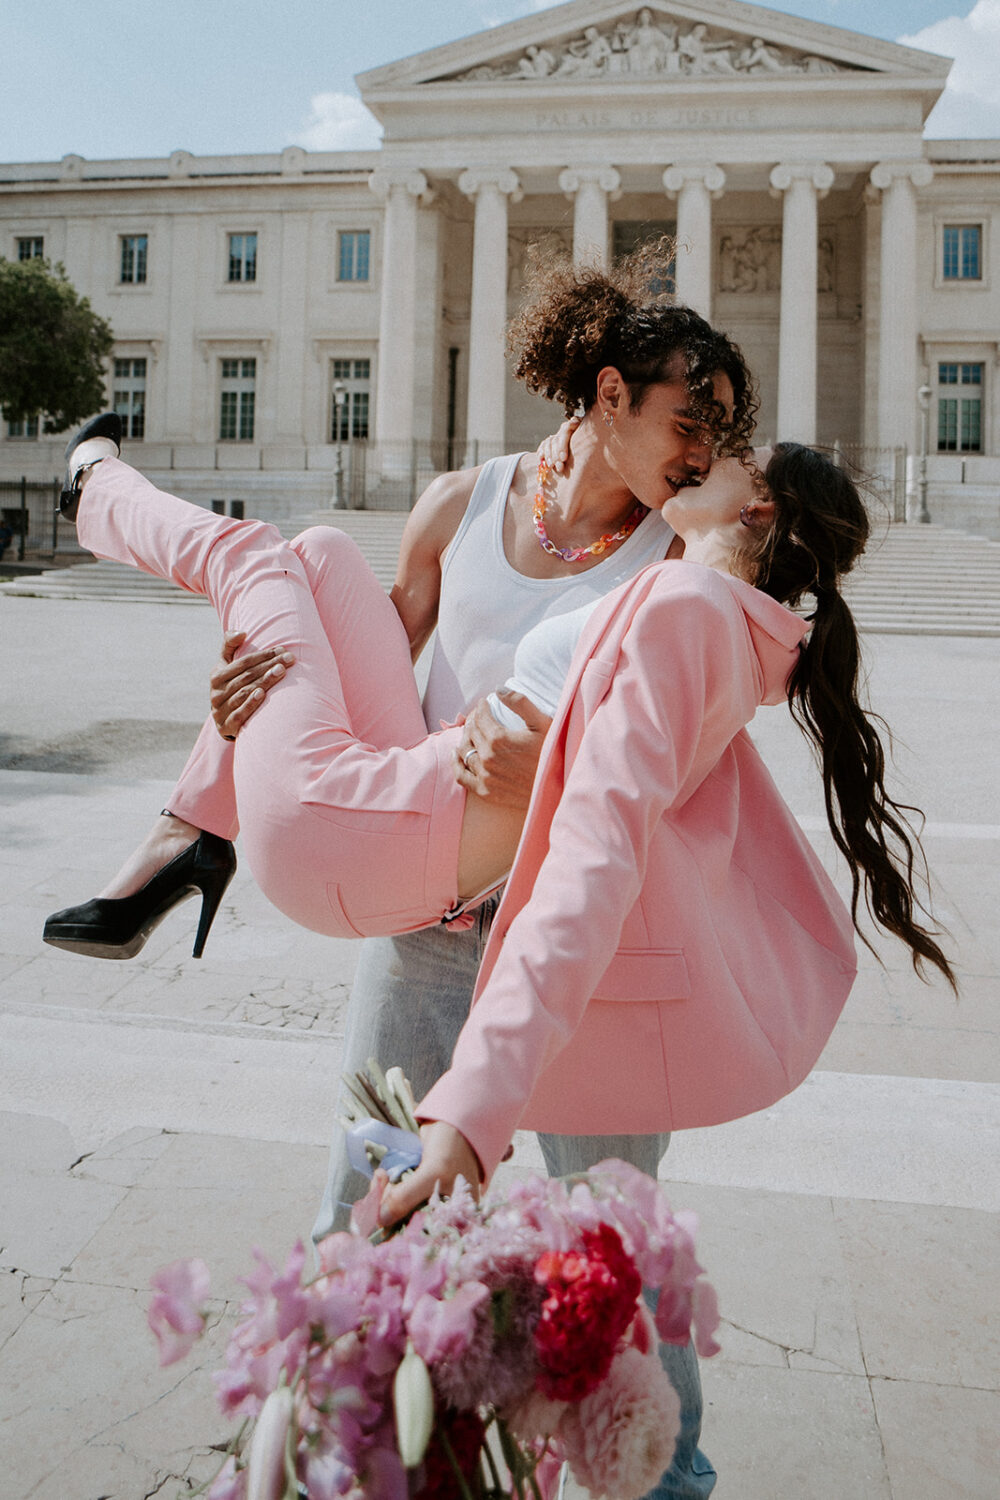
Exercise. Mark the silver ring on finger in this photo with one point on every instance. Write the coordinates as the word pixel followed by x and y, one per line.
pixel 468 756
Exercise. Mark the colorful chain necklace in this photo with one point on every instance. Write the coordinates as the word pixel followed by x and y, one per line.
pixel 576 554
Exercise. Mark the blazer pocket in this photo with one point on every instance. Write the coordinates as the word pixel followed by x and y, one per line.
pixel 645 974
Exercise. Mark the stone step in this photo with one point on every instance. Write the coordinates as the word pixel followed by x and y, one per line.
pixel 915 579
pixel 101 580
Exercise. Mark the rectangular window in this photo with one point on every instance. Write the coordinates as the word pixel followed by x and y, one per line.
pixel 32 247
pixel 961 252
pixel 130 395
pixel 134 252
pixel 238 392
pixel 351 382
pixel 242 257
pixel 355 255
pixel 26 428
pixel 960 411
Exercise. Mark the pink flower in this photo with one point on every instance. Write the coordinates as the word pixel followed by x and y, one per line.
pixel 176 1314
pixel 537 1417
pixel 230 1483
pixel 620 1438
pixel 365 1213
pixel 705 1313
pixel 443 1330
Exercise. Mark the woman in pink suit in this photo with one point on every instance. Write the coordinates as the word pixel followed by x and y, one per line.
pixel 668 953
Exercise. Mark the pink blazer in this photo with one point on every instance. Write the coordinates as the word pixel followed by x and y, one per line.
pixel 669 951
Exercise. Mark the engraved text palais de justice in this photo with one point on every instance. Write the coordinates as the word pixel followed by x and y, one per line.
pixel 645 119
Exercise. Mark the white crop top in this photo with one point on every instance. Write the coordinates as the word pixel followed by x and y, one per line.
pixel 541 664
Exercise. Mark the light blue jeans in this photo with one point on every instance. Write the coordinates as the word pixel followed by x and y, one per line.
pixel 410 998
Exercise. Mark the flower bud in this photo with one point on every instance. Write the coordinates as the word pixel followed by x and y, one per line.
pixel 413 1399
pixel 266 1469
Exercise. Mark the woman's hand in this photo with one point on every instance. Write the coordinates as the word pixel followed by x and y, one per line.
pixel 500 763
pixel 239 687
pixel 447 1156
pixel 555 449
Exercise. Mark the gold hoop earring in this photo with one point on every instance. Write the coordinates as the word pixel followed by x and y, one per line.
pixel 609 420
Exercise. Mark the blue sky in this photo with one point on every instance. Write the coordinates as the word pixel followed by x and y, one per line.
pixel 104 79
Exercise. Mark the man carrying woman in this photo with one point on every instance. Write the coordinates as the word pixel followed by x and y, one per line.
pixel 346 763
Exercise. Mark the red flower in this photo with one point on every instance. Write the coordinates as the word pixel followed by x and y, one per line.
pixel 466 1433
pixel 591 1302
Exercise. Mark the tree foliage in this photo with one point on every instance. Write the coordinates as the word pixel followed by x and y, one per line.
pixel 52 346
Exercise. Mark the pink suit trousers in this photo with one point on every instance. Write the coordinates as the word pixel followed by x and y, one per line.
pixel 349 810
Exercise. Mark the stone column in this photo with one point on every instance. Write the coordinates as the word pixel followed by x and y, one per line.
pixel 489 187
pixel 898 379
pixel 589 188
pixel 694 187
pixel 399 189
pixel 802 185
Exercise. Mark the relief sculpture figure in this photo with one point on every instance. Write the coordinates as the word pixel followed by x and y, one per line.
pixel 648 48
pixel 537 62
pixel 701 56
pixel 589 55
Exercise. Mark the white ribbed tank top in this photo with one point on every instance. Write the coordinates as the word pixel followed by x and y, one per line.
pixel 487 607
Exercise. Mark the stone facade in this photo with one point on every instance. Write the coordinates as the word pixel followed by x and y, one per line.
pixel 853 260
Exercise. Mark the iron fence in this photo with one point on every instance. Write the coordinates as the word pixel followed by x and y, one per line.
pixel 882 471
pixel 390 476
pixel 30 508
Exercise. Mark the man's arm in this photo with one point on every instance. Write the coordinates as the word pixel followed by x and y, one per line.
pixel 433 523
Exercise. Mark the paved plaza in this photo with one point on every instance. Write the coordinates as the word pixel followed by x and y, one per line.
pixel 165 1107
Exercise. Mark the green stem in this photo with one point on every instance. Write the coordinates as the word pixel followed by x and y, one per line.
pixel 513 1457
pixel 449 1454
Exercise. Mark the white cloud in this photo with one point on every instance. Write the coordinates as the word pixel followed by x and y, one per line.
pixel 970 105
pixel 339 122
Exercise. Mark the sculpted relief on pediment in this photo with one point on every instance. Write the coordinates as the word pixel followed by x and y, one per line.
pixel 651 46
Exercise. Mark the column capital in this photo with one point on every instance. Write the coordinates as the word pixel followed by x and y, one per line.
pixel 708 173
pixel 502 178
pixel 384 179
pixel 885 173
pixel 817 173
pixel 608 179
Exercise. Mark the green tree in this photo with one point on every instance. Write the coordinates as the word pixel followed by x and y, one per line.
pixel 52 346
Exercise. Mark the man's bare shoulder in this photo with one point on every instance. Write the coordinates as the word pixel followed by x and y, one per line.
pixel 439 510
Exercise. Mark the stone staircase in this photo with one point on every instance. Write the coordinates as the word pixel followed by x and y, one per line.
pixel 927 580
pixel 377 533
pixel 914 580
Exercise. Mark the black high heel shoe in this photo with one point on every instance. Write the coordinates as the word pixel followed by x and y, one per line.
pixel 110 927
pixel 107 425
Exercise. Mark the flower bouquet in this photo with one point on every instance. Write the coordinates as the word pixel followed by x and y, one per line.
pixel 466 1357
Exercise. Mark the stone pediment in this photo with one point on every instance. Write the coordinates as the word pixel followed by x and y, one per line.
pixel 660 43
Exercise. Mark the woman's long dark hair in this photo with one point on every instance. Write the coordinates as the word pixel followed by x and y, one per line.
pixel 819 530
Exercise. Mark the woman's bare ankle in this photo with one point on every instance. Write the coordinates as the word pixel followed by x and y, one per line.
pixel 168 837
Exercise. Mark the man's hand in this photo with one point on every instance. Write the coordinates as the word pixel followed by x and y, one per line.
pixel 239 687
pixel 500 763
pixel 447 1155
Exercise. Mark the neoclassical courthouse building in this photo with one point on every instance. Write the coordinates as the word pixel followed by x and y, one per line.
pixel 277 315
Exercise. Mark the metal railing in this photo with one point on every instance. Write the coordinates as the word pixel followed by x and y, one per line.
pixel 882 471
pixel 391 476
pixel 30 508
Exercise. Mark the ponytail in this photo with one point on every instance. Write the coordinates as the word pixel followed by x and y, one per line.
pixel 819 530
